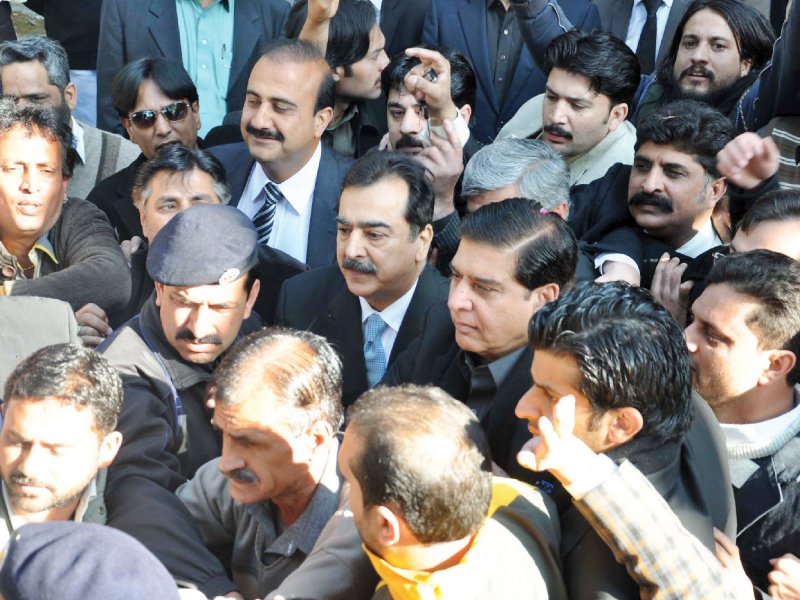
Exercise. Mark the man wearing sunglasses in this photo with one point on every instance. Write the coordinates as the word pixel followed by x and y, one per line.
pixel 158 105
pixel 35 70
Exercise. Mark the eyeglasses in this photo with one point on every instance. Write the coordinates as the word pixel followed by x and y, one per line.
pixel 145 119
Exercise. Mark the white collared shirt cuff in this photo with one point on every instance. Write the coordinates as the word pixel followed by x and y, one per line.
pixel 459 124
pixel 604 469
pixel 602 259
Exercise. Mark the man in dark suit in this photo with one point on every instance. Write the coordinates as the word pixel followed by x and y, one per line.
pixel 487 32
pixel 511 261
pixel 382 280
pixel 627 19
pixel 623 360
pixel 282 176
pixel 131 30
pixel 158 105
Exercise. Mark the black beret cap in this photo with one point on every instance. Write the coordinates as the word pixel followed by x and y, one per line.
pixel 203 245
pixel 81 561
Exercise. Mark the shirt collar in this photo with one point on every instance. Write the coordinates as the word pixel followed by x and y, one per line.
pixel 499 368
pixel 299 188
pixel 44 245
pixel 77 132
pixel 703 240
pixel 393 314
pixel 667 3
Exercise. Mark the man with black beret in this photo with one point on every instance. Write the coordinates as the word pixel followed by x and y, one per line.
pixel 202 264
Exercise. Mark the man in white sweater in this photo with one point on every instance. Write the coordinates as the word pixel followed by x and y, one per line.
pixel 744 342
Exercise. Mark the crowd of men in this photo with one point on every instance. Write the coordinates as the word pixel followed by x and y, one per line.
pixel 344 299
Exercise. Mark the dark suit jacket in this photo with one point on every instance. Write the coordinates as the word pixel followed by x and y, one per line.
pixel 131 30
pixel 461 24
pixel 433 359
pixel 113 196
pixel 615 15
pixel 319 301
pixel 401 24
pixel 321 249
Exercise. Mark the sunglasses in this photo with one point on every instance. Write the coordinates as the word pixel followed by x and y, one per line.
pixel 144 119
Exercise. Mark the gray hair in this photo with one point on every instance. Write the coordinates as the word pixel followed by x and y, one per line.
pixel 48 52
pixel 539 171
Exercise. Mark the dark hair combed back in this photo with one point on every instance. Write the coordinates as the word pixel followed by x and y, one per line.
pixel 175 158
pixel 287 52
pixel 463 85
pixel 424 454
pixel 772 280
pixel 690 127
pixel 169 75
pixel 379 166
pixel 40 120
pixel 43 49
pixel 604 59
pixel 348 33
pixel 546 248
pixel 297 370
pixel 629 349
pixel 754 39
pixel 73 375
pixel 779 205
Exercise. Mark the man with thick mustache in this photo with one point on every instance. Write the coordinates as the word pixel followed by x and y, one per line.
pixel 282 177
pixel 202 262
pixel 378 294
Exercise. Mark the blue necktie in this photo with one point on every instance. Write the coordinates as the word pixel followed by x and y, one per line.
pixel 265 216
pixel 374 355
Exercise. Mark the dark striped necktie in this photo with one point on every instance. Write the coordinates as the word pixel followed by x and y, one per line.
pixel 265 216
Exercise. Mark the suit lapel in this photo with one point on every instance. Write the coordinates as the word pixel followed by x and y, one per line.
pixel 504 426
pixel 473 20
pixel 676 13
pixel 429 290
pixel 322 227
pixel 343 322
pixel 246 33
pixel 163 27
pixel 621 18
pixel 519 84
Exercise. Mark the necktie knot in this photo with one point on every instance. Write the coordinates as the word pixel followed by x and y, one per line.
pixel 651 6
pixel 374 328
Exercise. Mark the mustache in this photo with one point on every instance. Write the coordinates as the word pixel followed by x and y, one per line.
pixel 697 70
pixel 243 475
pixel 654 200
pixel 352 264
pixel 20 479
pixel 186 334
pixel 269 134
pixel 558 130
pixel 408 141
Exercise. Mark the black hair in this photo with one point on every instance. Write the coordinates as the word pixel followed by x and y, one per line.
pixel 546 249
pixel 778 205
pixel 348 32
pixel 773 281
pixel 604 59
pixel 288 51
pixel 42 120
pixel 442 496
pixel 168 75
pixel 754 40
pixel 73 375
pixel 175 158
pixel 463 84
pixel 298 370
pixel 378 166
pixel 629 349
pixel 690 127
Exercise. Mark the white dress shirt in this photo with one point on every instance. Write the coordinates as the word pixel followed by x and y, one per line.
pixel 293 214
pixel 392 315
pixel 639 16
pixel 703 240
